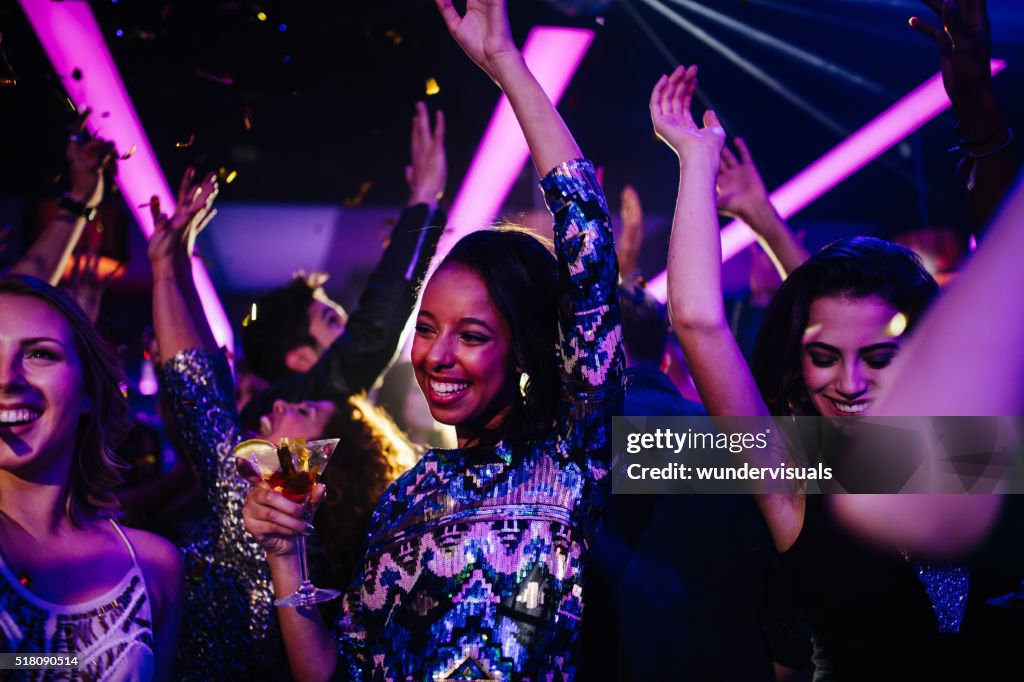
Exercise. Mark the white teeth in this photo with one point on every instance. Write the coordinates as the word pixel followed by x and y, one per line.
pixel 22 416
pixel 265 426
pixel 447 388
pixel 847 408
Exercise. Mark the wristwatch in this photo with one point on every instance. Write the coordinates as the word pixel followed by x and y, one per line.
pixel 77 208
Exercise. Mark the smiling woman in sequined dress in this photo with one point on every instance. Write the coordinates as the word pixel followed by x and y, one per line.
pixel 474 557
pixel 72 580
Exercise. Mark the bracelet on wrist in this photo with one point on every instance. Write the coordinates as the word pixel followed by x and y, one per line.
pixel 969 159
pixel 76 208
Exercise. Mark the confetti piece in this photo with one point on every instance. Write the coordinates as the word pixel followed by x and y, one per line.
pixel 247 118
pixel 395 37
pixel 222 78
pixel 187 143
pixel 231 177
pixel 130 153
pixel 432 87
pixel 262 16
pixel 143 34
pixel 357 200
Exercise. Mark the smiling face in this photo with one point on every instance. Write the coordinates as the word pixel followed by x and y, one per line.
pixel 462 354
pixel 848 347
pixel 297 420
pixel 41 389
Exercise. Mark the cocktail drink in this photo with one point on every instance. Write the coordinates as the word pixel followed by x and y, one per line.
pixel 292 468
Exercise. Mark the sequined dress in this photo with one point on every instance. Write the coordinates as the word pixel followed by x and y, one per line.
pixel 229 629
pixel 111 636
pixel 474 557
pixel 878 615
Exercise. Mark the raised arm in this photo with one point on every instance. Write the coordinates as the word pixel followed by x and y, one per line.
pixel 483 33
pixel 88 160
pixel 695 253
pixel 742 194
pixel 964 358
pixel 179 325
pixel 965 51
pixel 720 373
pixel 629 245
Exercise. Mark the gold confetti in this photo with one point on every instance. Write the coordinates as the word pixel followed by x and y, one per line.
pixel 395 37
pixel 130 153
pixel 357 200
pixel 432 87
pixel 262 16
pixel 187 143
pixel 247 118
pixel 231 177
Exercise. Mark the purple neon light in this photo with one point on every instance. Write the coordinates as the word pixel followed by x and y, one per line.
pixel 72 39
pixel 553 55
pixel 859 149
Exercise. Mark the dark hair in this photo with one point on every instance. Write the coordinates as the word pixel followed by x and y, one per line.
pixel 374 453
pixel 281 325
pixel 521 275
pixel 856 267
pixel 644 325
pixel 95 470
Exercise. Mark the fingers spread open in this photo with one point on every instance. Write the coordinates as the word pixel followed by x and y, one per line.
pixel 448 13
pixel 658 95
pixel 728 159
pixel 741 147
pixel 939 36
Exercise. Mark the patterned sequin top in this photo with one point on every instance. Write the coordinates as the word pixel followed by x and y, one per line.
pixel 474 558
pixel 229 630
pixel 111 635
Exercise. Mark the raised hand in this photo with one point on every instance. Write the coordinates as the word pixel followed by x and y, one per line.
pixel 675 125
pixel 630 242
pixel 88 160
pixel 173 239
pixel 482 32
pixel 965 51
pixel 741 191
pixel 428 171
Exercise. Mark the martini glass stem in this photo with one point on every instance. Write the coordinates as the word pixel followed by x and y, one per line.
pixel 306 586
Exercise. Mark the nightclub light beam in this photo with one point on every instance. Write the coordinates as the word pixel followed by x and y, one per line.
pixel 887 129
pixel 781 46
pixel 746 65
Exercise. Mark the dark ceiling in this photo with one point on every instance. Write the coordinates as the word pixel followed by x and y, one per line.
pixel 329 89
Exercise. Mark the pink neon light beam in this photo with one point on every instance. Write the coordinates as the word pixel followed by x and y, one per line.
pixel 861 148
pixel 72 39
pixel 553 55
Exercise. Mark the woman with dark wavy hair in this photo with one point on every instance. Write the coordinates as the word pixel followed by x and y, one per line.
pixel 473 563
pixel 827 348
pixel 72 580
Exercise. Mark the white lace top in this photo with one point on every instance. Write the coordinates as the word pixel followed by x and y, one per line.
pixel 112 634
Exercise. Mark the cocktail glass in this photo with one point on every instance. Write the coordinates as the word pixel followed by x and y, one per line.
pixel 292 469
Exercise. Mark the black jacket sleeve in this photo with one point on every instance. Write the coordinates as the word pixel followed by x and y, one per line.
pixel 373 334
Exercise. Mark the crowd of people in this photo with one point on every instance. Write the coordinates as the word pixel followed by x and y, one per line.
pixel 507 557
